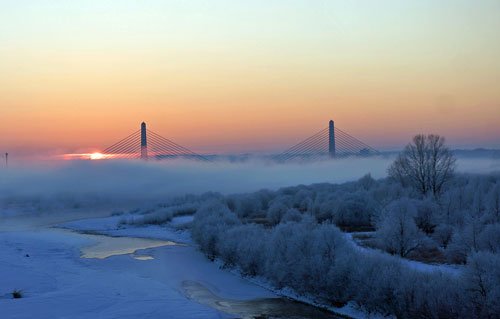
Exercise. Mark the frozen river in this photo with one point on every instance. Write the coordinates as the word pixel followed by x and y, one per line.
pixel 150 272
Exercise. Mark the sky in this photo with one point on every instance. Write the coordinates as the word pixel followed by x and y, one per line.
pixel 245 76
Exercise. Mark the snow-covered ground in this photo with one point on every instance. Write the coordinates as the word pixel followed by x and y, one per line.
pixel 416 265
pixel 111 226
pixel 46 264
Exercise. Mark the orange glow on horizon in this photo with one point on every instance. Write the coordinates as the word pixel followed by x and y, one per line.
pixel 91 156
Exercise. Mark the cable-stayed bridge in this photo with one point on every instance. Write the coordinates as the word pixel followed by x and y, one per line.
pixel 146 144
pixel 330 142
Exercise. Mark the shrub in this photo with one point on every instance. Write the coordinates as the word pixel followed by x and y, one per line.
pixel 17 294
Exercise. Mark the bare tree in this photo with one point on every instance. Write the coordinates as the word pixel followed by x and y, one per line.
pixel 426 164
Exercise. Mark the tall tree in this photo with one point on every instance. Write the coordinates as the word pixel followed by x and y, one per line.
pixel 426 164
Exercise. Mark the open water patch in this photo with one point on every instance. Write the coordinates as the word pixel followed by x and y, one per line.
pixel 254 308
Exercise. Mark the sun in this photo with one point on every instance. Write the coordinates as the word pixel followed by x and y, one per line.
pixel 96 156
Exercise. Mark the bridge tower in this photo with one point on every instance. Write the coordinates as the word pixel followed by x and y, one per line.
pixel 331 139
pixel 144 142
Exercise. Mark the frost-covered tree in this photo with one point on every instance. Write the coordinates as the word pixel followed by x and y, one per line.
pixel 292 215
pixel 493 203
pixel 482 278
pixel 427 215
pixel 426 164
pixel 397 232
pixel 276 211
pixel 354 210
pixel 214 218
pixel 326 210
pixel 443 235
pixel 244 246
pixel 489 238
pixel 468 237
pixel 367 182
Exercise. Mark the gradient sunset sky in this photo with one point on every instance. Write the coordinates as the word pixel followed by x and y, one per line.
pixel 237 76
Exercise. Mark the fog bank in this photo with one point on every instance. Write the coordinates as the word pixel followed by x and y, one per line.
pixel 79 184
pixel 170 178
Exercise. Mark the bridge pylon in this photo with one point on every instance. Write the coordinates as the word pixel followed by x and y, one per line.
pixel 331 139
pixel 144 142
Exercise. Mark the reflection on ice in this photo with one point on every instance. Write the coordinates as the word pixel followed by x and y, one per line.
pixel 254 308
pixel 143 257
pixel 107 246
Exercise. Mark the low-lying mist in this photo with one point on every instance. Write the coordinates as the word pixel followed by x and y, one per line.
pixel 66 185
